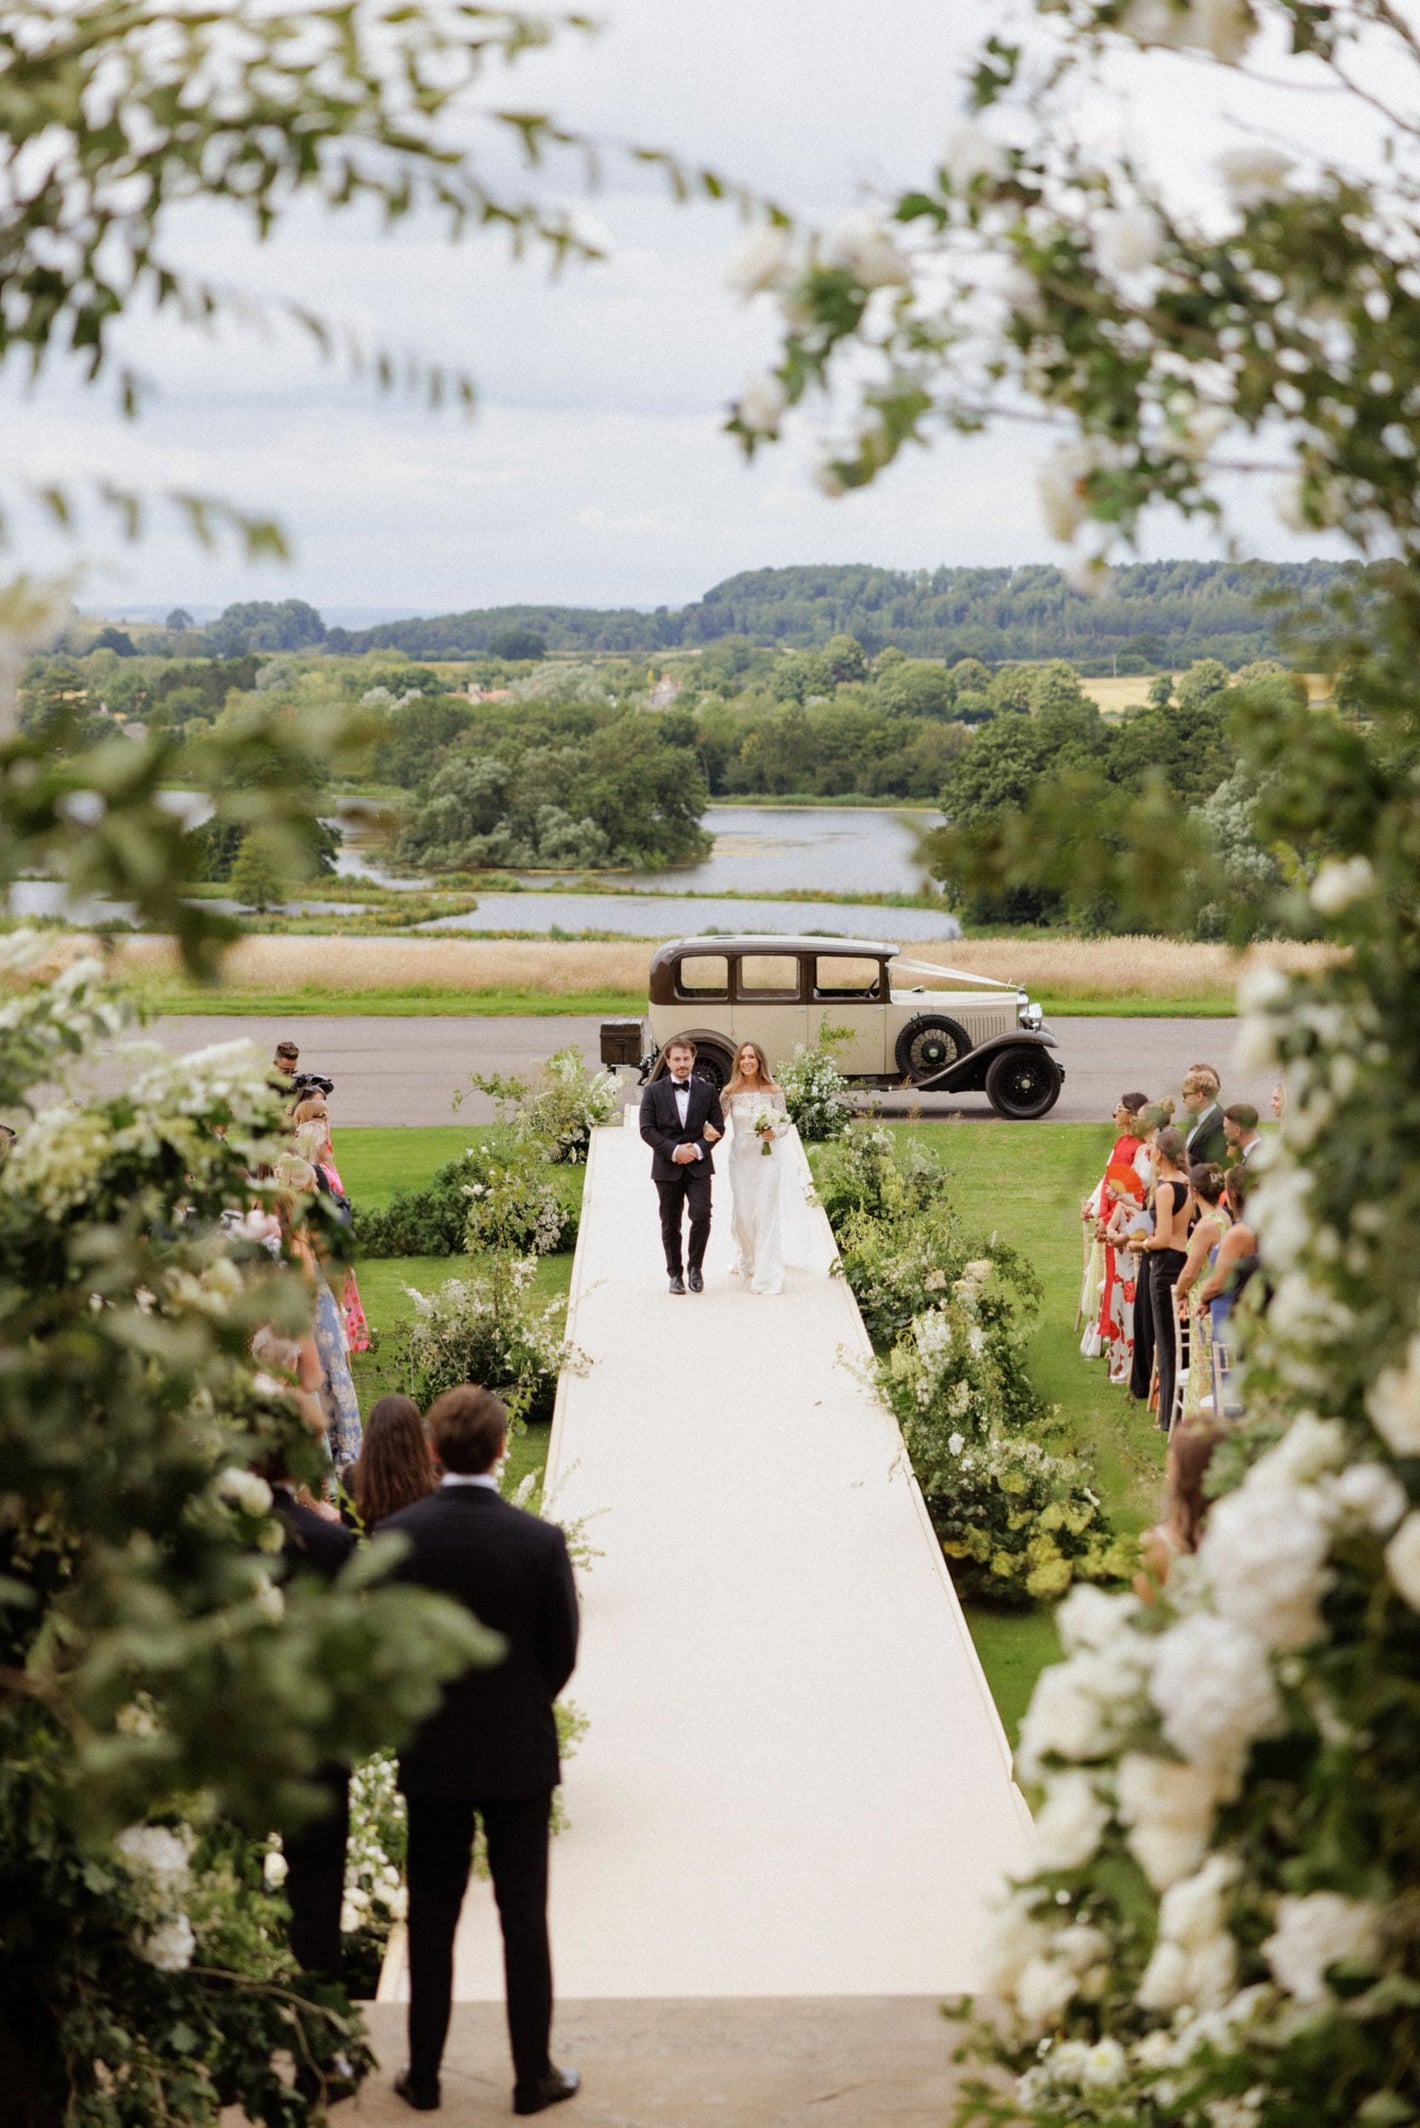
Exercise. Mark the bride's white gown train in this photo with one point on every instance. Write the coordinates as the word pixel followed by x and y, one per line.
pixel 769 1217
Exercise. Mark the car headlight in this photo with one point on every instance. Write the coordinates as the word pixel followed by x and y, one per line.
pixel 1032 1016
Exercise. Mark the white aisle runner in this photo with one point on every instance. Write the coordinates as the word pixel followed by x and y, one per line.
pixel 795 1782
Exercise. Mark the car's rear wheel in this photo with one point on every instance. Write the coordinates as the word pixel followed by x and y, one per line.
pixel 929 1044
pixel 714 1067
pixel 1023 1084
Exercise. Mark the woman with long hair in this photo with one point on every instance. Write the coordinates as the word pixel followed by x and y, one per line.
pixel 396 1465
pixel 1100 1298
pixel 1151 1121
pixel 1167 1250
pixel 310 1133
pixel 1214 1219
pixel 758 1116
pixel 1124 1225
pixel 337 1390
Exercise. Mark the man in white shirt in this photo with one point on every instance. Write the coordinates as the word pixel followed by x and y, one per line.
pixel 675 1112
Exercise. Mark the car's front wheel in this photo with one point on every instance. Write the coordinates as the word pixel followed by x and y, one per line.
pixel 928 1045
pixel 713 1066
pixel 1024 1084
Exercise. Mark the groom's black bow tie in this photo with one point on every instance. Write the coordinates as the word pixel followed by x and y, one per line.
pixel 681 1085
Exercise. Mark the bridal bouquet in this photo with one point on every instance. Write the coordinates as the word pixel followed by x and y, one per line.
pixel 764 1126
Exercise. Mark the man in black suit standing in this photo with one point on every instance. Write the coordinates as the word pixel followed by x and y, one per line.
pixel 674 1112
pixel 315 1855
pixel 490 1748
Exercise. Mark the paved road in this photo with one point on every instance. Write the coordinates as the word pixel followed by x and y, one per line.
pixel 397 1071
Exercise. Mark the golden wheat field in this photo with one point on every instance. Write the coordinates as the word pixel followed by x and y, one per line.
pixel 1125 969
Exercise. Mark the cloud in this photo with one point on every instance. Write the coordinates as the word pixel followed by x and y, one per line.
pixel 596 470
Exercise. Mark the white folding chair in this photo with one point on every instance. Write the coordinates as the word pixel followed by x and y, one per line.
pixel 1181 1357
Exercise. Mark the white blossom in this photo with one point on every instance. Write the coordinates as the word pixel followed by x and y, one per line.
pixel 1213 1686
pixel 244 1489
pixel 1370 1494
pixel 763 404
pixel 1341 883
pixel 1081 1708
pixel 1254 174
pixel 1263 1556
pixel 1393 1403
pixel 1314 1933
pixel 971 153
pixel 1168 1809
pixel 1195 1959
pixel 1128 239
pixel 275 1869
pixel 158 1849
pixel 1070 1823
pixel 764 260
pixel 170 1946
pixel 1402 1558
pixel 1013 1938
pixel 862 246
pixel 955 1444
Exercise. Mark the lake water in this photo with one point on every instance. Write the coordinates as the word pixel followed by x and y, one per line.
pixel 775 849
pixel 674 916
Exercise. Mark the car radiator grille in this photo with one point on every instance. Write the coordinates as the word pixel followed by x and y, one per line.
pixel 985 1024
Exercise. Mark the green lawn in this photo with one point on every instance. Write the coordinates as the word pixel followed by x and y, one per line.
pixel 1022 1181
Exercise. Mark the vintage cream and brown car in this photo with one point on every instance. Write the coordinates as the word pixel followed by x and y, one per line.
pixel 780 992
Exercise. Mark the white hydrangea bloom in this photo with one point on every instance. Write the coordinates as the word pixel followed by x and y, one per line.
pixel 160 1850
pixel 168 1947
pixel 275 1869
pixel 764 260
pixel 1393 1403
pixel 862 245
pixel 1013 1938
pixel 1309 1448
pixel 58 1158
pixel 1263 1556
pixel 1090 1618
pixel 1168 1809
pixel 1281 1214
pixel 244 1489
pixel 763 404
pixel 1128 239
pixel 1402 1558
pixel 971 153
pixel 1195 1959
pixel 1341 883
pixel 1370 1494
pixel 1254 173
pixel 1214 1688
pixel 1314 1933
pixel 1081 1708
pixel 1070 1822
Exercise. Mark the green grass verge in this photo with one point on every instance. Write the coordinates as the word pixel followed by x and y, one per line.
pixel 425 1000
pixel 1026 1186
pixel 374 1163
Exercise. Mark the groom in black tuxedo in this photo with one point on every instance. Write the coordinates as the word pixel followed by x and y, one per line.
pixel 674 1112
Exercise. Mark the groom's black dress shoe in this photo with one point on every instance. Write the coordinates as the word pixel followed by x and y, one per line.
pixel 697 1283
pixel 422 2093
pixel 549 2090
pixel 677 1283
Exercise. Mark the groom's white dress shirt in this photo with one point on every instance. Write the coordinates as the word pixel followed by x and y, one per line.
pixel 682 1101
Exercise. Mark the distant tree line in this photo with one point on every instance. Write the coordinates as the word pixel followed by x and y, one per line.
pixel 1154 615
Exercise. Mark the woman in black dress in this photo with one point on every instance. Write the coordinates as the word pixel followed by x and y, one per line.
pixel 1167 1250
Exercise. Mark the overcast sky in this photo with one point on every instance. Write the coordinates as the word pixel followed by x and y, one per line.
pixel 595 472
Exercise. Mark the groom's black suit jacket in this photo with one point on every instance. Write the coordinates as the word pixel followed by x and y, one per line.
pixel 663 1130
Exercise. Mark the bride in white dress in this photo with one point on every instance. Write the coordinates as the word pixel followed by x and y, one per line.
pixel 758 1119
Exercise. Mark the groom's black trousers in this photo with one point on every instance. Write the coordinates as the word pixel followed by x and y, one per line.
pixel 690 1187
pixel 440 1850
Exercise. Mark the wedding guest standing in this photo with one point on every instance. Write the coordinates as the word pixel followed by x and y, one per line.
pixel 1151 1121
pixel 396 1465
pixel 310 1127
pixel 490 1749
pixel 1166 1249
pixel 337 1389
pixel 1241 1131
pixel 1101 1298
pixel 1205 1139
pixel 1214 1219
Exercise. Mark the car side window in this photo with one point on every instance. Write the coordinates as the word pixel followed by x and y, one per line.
pixel 769 975
pixel 835 976
pixel 703 975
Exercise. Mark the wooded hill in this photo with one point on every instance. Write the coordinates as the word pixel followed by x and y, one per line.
pixel 1155 615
